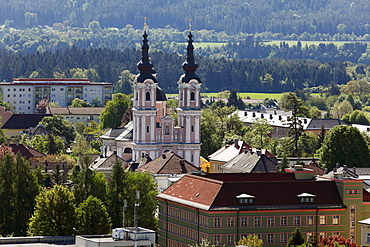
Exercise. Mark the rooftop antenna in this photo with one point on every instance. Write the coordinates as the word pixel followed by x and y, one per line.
pixel 135 208
pixel 123 215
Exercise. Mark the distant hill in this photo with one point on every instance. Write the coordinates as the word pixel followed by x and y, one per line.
pixel 231 16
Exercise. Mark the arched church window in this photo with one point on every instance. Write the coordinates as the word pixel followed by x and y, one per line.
pixel 167 130
pixel 127 151
pixel 147 96
pixel 192 96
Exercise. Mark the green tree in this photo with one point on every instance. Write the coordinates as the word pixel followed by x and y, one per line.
pixel 112 114
pixel 79 127
pixel 123 84
pixel 143 182
pixel 209 129
pixel 116 185
pixel 356 117
pixel 80 103
pixel 295 124
pixel 204 243
pixel 235 101
pixel 252 241
pixel 296 238
pixel 55 213
pixel 345 145
pixel 359 88
pixel 18 189
pixel 259 136
pixel 340 109
pixel 92 217
pixel 57 126
pixel 82 179
pixel 308 143
pixel 48 144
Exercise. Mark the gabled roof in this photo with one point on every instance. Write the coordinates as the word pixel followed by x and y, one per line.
pixel 25 151
pixel 106 163
pixel 315 124
pixel 249 162
pixel 5 114
pixel 75 110
pixel 37 130
pixel 209 193
pixel 168 163
pixel 127 133
pixel 228 152
pixel 112 133
pixel 23 121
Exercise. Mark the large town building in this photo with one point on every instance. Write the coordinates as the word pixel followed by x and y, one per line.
pixel 222 208
pixel 154 132
pixel 25 94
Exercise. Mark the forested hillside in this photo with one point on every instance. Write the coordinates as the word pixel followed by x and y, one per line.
pixel 268 75
pixel 231 16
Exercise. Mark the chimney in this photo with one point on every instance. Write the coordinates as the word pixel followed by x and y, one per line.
pixel 270 116
pixel 245 114
pixel 258 151
pixel 163 155
pixel 280 118
pixel 236 143
pixel 142 155
pixel 354 170
pixel 262 116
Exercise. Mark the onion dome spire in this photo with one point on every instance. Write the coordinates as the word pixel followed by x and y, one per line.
pixel 189 66
pixel 144 65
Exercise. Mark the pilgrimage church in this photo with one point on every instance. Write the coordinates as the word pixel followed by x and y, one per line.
pixel 153 132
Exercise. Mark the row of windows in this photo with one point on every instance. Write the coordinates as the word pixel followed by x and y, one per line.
pixel 186 216
pixel 271 221
pixel 185 232
pixel 20 89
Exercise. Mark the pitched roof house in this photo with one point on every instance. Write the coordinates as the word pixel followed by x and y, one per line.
pixel 166 169
pixel 252 161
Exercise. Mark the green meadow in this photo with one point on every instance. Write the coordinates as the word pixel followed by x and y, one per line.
pixel 205 44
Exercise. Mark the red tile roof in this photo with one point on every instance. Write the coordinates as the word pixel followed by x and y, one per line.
pixel 168 163
pixel 219 191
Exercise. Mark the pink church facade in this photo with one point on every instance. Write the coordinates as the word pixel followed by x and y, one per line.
pixel 155 132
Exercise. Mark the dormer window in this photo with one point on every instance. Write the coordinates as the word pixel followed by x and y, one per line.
pixel 245 198
pixel 306 197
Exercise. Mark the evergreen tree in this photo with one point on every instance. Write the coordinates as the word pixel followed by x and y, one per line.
pixel 92 217
pixel 296 238
pixel 18 189
pixel 236 101
pixel 116 185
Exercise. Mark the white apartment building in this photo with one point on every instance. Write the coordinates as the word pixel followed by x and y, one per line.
pixel 25 94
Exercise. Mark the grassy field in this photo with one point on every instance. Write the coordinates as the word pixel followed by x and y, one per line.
pixel 205 44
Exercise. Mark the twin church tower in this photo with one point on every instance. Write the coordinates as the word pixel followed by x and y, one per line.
pixel 154 132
